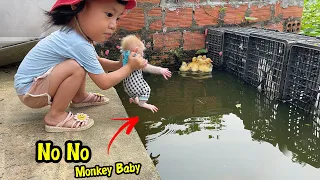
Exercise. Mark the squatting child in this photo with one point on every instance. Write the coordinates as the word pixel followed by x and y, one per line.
pixel 54 71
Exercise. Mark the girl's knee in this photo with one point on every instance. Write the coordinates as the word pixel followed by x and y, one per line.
pixel 75 67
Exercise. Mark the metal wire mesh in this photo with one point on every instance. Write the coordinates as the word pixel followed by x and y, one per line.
pixel 215 45
pixel 235 51
pixel 303 82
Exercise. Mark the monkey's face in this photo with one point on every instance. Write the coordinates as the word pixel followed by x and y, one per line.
pixel 141 49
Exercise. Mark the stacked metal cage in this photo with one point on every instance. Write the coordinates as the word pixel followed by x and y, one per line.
pixel 214 42
pixel 236 42
pixel 267 61
pixel 285 66
pixel 302 86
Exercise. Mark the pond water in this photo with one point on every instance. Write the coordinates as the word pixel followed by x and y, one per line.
pixel 216 127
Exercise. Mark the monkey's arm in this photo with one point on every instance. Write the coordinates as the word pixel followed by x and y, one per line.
pixel 152 69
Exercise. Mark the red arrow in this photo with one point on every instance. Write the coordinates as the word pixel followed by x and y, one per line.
pixel 131 123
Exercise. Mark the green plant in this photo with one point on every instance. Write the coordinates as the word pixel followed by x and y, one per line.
pixel 177 52
pixel 201 51
pixel 250 18
pixel 311 18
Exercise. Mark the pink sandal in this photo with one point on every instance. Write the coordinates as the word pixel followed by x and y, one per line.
pixel 93 99
pixel 82 122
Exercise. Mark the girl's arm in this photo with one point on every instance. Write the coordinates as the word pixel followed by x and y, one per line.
pixel 107 80
pixel 110 65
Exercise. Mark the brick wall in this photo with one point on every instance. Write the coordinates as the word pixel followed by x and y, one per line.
pixel 170 24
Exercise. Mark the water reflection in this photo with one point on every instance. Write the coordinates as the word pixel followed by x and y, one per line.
pixel 286 127
pixel 188 105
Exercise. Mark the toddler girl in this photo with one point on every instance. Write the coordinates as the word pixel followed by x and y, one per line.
pixel 53 72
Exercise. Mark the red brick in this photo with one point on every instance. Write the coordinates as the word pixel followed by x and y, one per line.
pixel 235 15
pixel 150 1
pixel 263 13
pixel 183 19
pixel 206 15
pixel 193 41
pixel 291 11
pixel 132 24
pixel 156 25
pixel 167 41
pixel 293 26
pixel 278 26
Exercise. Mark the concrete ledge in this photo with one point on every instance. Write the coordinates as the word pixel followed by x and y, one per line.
pixel 21 127
pixel 15 53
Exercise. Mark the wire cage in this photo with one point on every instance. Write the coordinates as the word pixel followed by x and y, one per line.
pixel 267 61
pixel 214 42
pixel 236 42
pixel 302 85
pixel 285 66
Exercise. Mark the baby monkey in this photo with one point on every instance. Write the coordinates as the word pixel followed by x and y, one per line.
pixel 135 85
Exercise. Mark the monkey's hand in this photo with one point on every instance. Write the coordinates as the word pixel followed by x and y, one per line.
pixel 165 73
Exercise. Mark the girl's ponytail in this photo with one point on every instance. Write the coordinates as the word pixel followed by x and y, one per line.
pixel 62 16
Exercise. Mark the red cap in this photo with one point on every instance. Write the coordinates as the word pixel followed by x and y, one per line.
pixel 130 5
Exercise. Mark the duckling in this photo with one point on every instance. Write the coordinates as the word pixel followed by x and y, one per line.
pixel 204 57
pixel 208 60
pixel 207 67
pixel 210 63
pixel 201 60
pixel 199 57
pixel 195 67
pixel 194 58
pixel 194 61
pixel 184 67
pixel 202 65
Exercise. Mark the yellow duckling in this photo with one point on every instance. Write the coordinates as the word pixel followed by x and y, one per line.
pixel 195 67
pixel 200 60
pixel 184 67
pixel 194 61
pixel 194 58
pixel 204 62
pixel 202 65
pixel 209 62
pixel 199 57
pixel 207 67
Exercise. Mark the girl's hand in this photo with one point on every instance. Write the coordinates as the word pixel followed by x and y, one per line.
pixel 165 73
pixel 135 61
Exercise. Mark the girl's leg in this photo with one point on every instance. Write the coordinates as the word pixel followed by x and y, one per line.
pixel 81 93
pixel 83 98
pixel 65 81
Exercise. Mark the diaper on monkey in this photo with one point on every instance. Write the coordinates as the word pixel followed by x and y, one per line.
pixel 135 85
